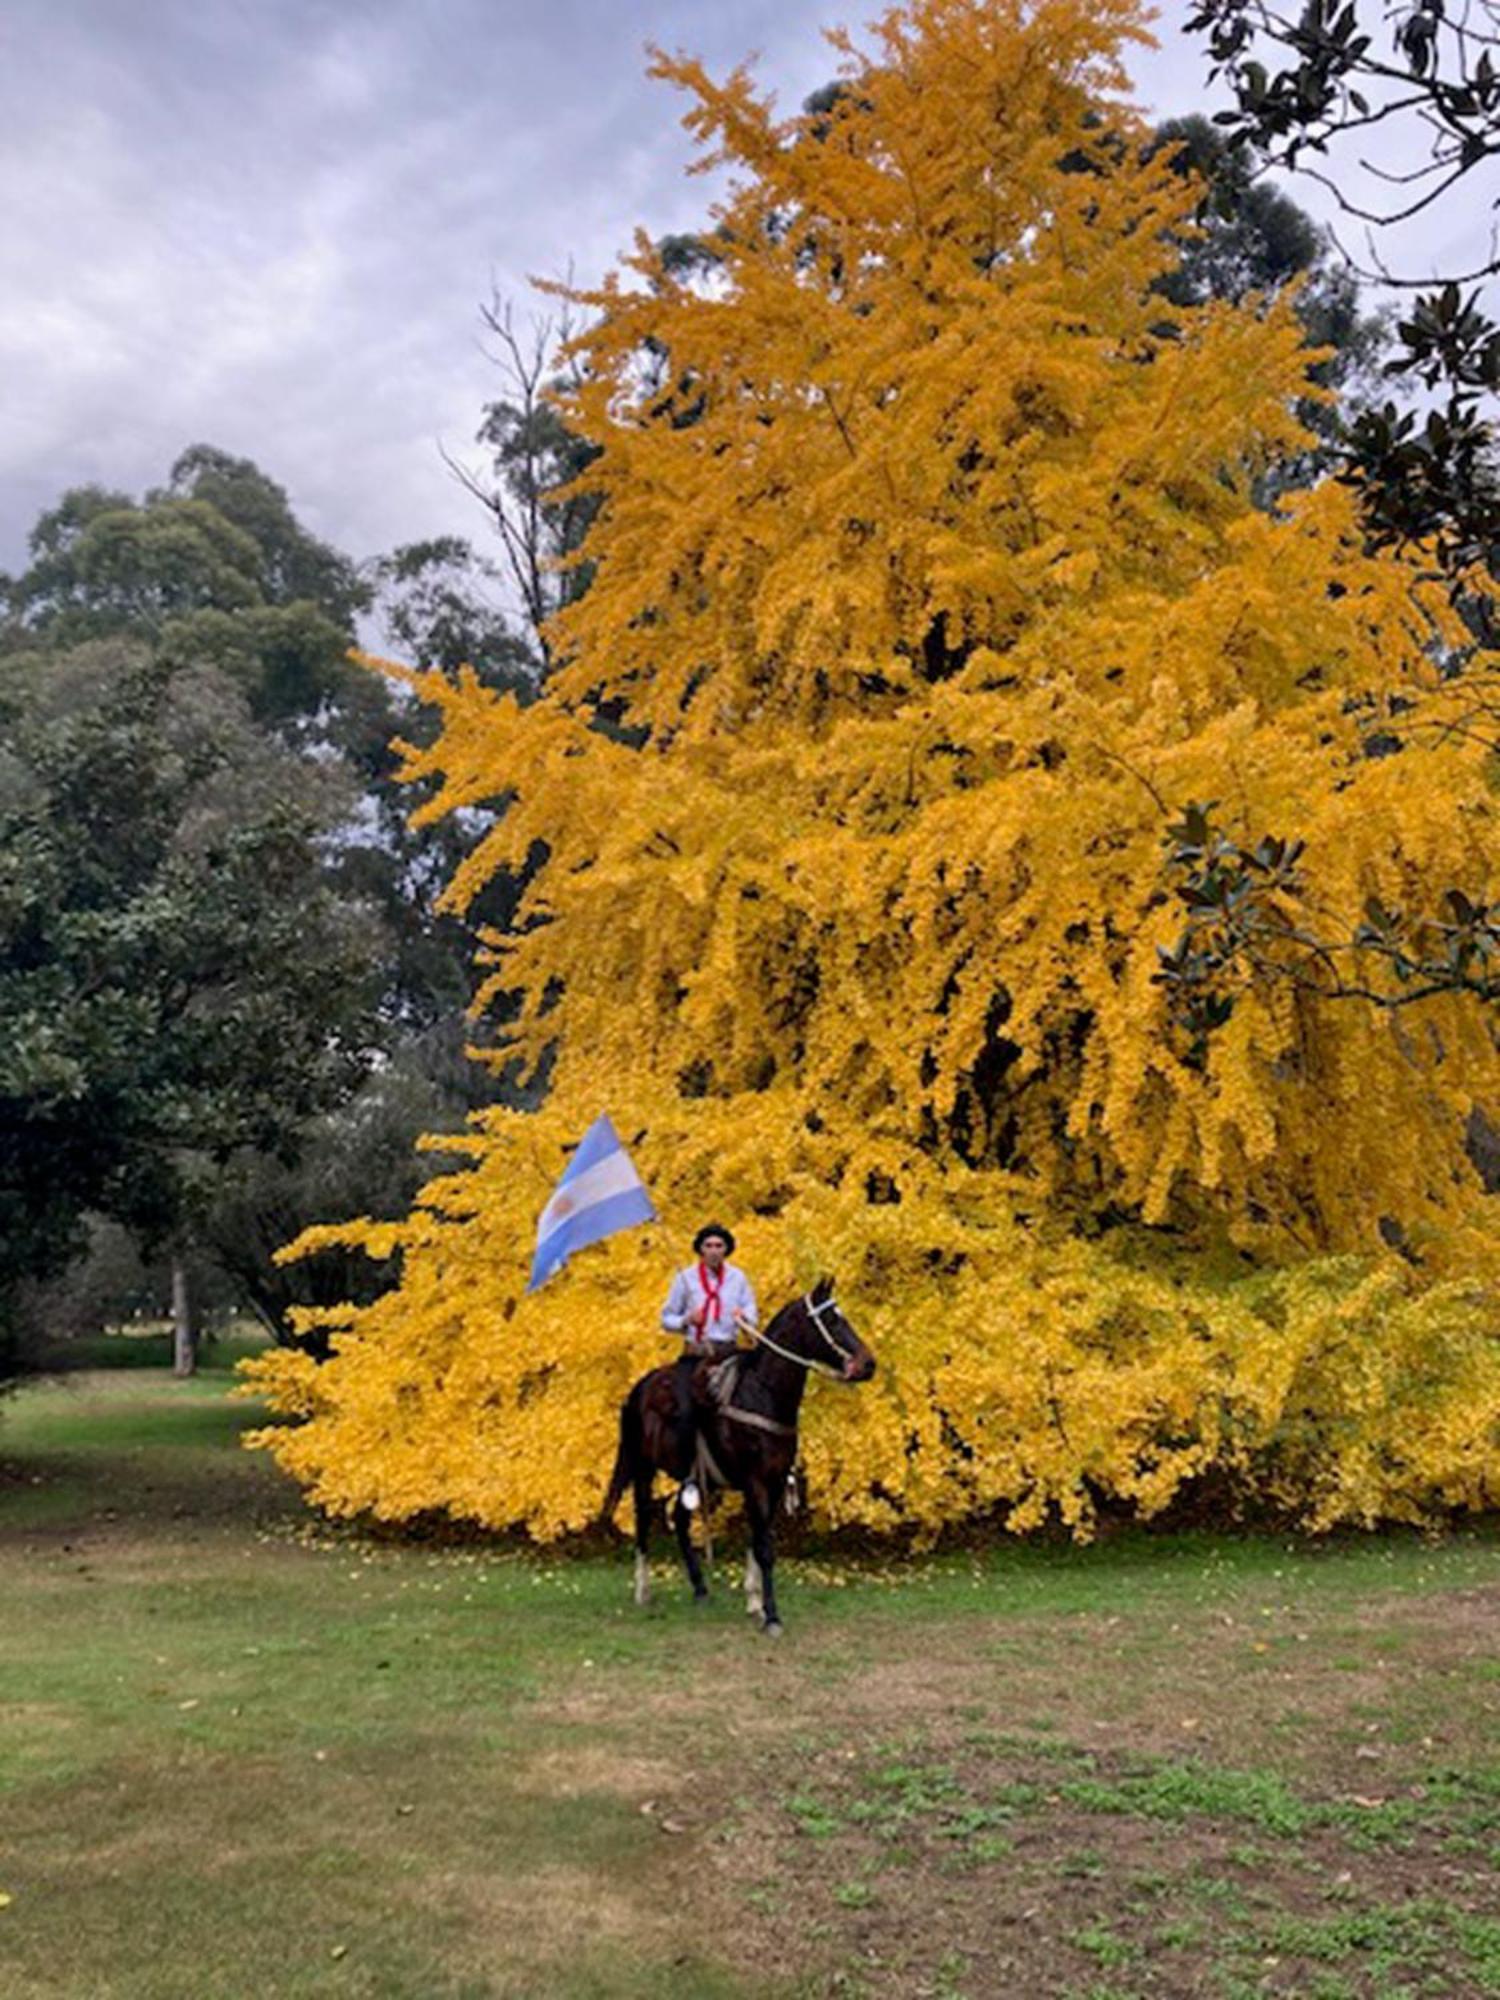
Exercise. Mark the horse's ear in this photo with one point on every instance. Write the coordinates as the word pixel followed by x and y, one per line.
pixel 822 1291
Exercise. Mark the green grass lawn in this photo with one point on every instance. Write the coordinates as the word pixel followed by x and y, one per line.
pixel 242 1754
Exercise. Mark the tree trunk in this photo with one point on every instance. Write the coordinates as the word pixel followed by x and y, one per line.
pixel 184 1334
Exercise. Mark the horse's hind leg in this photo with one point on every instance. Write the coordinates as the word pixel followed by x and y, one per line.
pixel 642 1535
pixel 682 1521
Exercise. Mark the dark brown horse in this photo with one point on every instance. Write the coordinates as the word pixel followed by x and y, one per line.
pixel 750 1436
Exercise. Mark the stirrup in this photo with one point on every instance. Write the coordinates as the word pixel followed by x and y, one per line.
pixel 689 1495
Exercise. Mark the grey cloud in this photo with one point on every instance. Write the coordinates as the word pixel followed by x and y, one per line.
pixel 269 226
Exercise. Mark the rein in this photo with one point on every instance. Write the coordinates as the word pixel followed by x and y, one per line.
pixel 733 1414
pixel 808 1361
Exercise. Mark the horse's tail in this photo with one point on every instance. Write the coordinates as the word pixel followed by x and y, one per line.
pixel 625 1457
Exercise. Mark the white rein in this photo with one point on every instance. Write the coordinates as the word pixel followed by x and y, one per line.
pixel 815 1313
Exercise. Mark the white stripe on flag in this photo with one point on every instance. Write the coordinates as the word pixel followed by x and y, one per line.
pixel 612 1175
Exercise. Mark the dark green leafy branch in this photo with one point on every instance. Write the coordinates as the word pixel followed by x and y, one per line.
pixel 1249 921
pixel 1304 83
pixel 1430 478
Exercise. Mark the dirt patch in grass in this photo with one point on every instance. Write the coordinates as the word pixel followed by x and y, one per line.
pixel 1091 1807
pixel 1043 1869
pixel 555 1911
pixel 1226 1682
pixel 579 1770
pixel 1211 1682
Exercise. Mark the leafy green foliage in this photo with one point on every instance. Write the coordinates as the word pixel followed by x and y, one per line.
pixel 359 1156
pixel 177 973
pixel 212 569
pixel 294 566
pixel 1432 477
pixel 1336 80
pixel 438 602
pixel 220 915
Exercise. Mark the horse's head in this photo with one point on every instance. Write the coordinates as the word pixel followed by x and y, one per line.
pixel 825 1335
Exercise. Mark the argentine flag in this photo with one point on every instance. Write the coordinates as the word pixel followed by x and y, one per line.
pixel 600 1192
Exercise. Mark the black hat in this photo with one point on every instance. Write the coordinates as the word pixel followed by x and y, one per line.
pixel 715 1229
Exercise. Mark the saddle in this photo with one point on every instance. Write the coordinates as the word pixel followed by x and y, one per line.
pixel 712 1388
pixel 714 1382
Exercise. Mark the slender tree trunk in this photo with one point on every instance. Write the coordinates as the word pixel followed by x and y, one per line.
pixel 184 1333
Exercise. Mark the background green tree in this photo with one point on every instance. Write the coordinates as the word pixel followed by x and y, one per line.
pixel 180 975
pixel 231 1000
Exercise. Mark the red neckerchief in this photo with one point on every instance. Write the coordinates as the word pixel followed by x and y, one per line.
pixel 713 1295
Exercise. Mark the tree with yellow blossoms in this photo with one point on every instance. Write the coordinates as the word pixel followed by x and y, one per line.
pixel 928 588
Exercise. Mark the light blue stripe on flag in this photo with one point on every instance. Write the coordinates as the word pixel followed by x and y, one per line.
pixel 600 1192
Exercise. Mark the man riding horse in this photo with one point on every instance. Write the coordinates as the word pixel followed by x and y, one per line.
pixel 708 1303
pixel 742 1426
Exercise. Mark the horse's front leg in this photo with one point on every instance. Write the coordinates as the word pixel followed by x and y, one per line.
pixel 762 1498
pixel 755 1596
pixel 682 1521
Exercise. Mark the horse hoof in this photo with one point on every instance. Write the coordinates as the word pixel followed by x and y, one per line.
pixel 772 1628
pixel 700 1597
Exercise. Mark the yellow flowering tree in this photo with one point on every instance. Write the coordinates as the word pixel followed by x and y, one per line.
pixel 927 587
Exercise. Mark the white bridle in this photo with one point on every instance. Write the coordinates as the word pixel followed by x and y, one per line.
pixel 815 1311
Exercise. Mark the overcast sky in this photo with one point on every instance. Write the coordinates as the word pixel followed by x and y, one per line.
pixel 267 224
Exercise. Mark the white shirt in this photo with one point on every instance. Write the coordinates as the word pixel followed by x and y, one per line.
pixel 688 1294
